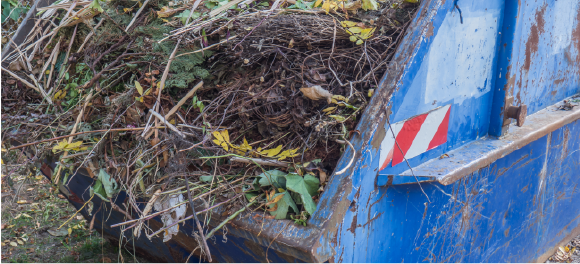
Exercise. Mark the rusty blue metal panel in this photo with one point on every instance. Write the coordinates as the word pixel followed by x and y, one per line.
pixel 545 61
pixel 539 59
pixel 453 63
pixel 508 211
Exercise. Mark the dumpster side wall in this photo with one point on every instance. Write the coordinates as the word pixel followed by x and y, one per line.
pixel 545 64
pixel 515 210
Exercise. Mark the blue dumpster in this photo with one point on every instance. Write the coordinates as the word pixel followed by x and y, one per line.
pixel 469 151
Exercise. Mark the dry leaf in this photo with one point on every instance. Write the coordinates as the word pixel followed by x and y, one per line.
pixel 57 232
pixel 106 260
pixel 316 93
pixel 13 244
pixel 166 12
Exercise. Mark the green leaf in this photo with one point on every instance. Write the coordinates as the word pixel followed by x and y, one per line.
pixel 251 195
pixel 312 184
pixel 185 14
pixel 370 5
pixel 98 190
pixel 283 204
pixel 15 14
pixel 271 178
pixel 139 88
pixel 95 5
pixel 109 184
pixel 206 178
pixel 338 118
pixel 300 185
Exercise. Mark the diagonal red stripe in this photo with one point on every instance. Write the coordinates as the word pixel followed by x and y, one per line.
pixel 441 134
pixel 406 136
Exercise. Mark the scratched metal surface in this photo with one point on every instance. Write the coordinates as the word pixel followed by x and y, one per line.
pixel 482 152
pixel 545 60
pixel 514 210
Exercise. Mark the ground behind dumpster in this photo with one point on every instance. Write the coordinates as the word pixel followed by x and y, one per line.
pixel 30 221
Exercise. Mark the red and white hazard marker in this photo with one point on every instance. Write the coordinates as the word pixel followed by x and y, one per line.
pixel 415 136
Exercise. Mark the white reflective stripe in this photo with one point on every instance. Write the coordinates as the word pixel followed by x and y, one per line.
pixel 427 132
pixel 389 141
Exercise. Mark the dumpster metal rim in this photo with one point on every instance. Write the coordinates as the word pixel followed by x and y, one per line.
pixel 454 167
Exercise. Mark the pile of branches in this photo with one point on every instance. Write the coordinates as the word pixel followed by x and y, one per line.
pixel 238 105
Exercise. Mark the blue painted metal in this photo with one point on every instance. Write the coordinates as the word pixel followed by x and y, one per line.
pixel 517 206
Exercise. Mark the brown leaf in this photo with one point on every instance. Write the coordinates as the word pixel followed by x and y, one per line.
pixel 61 196
pixel 322 176
pixel 316 93
pixel 155 141
pixel 155 72
pixel 106 260
pixel 11 81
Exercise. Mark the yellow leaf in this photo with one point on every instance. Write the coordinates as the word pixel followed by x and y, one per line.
pixel 326 6
pixel 217 135
pixel 47 72
pixel 340 97
pixel 359 42
pixel 281 190
pixel 139 88
pixel 74 145
pixel 69 231
pixel 329 109
pixel 275 200
pixel 60 95
pixel 353 38
pixel 172 121
pixel 220 140
pixel 127 10
pixel 370 5
pixel 288 154
pixel 318 2
pixel 165 20
pixel 367 33
pixel 355 30
pixel 371 92
pixel 226 136
pixel 272 152
pixel 13 244
pixel 244 147
pixel 347 23
pixel 20 241
pixel 60 146
pixel 165 12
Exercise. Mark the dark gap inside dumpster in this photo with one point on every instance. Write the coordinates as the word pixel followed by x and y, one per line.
pixel 138 111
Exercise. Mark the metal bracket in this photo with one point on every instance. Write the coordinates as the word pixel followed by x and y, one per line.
pixel 518 113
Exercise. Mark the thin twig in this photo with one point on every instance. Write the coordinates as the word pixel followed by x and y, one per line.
pixel 169 125
pixel 196 221
pixel 399 147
